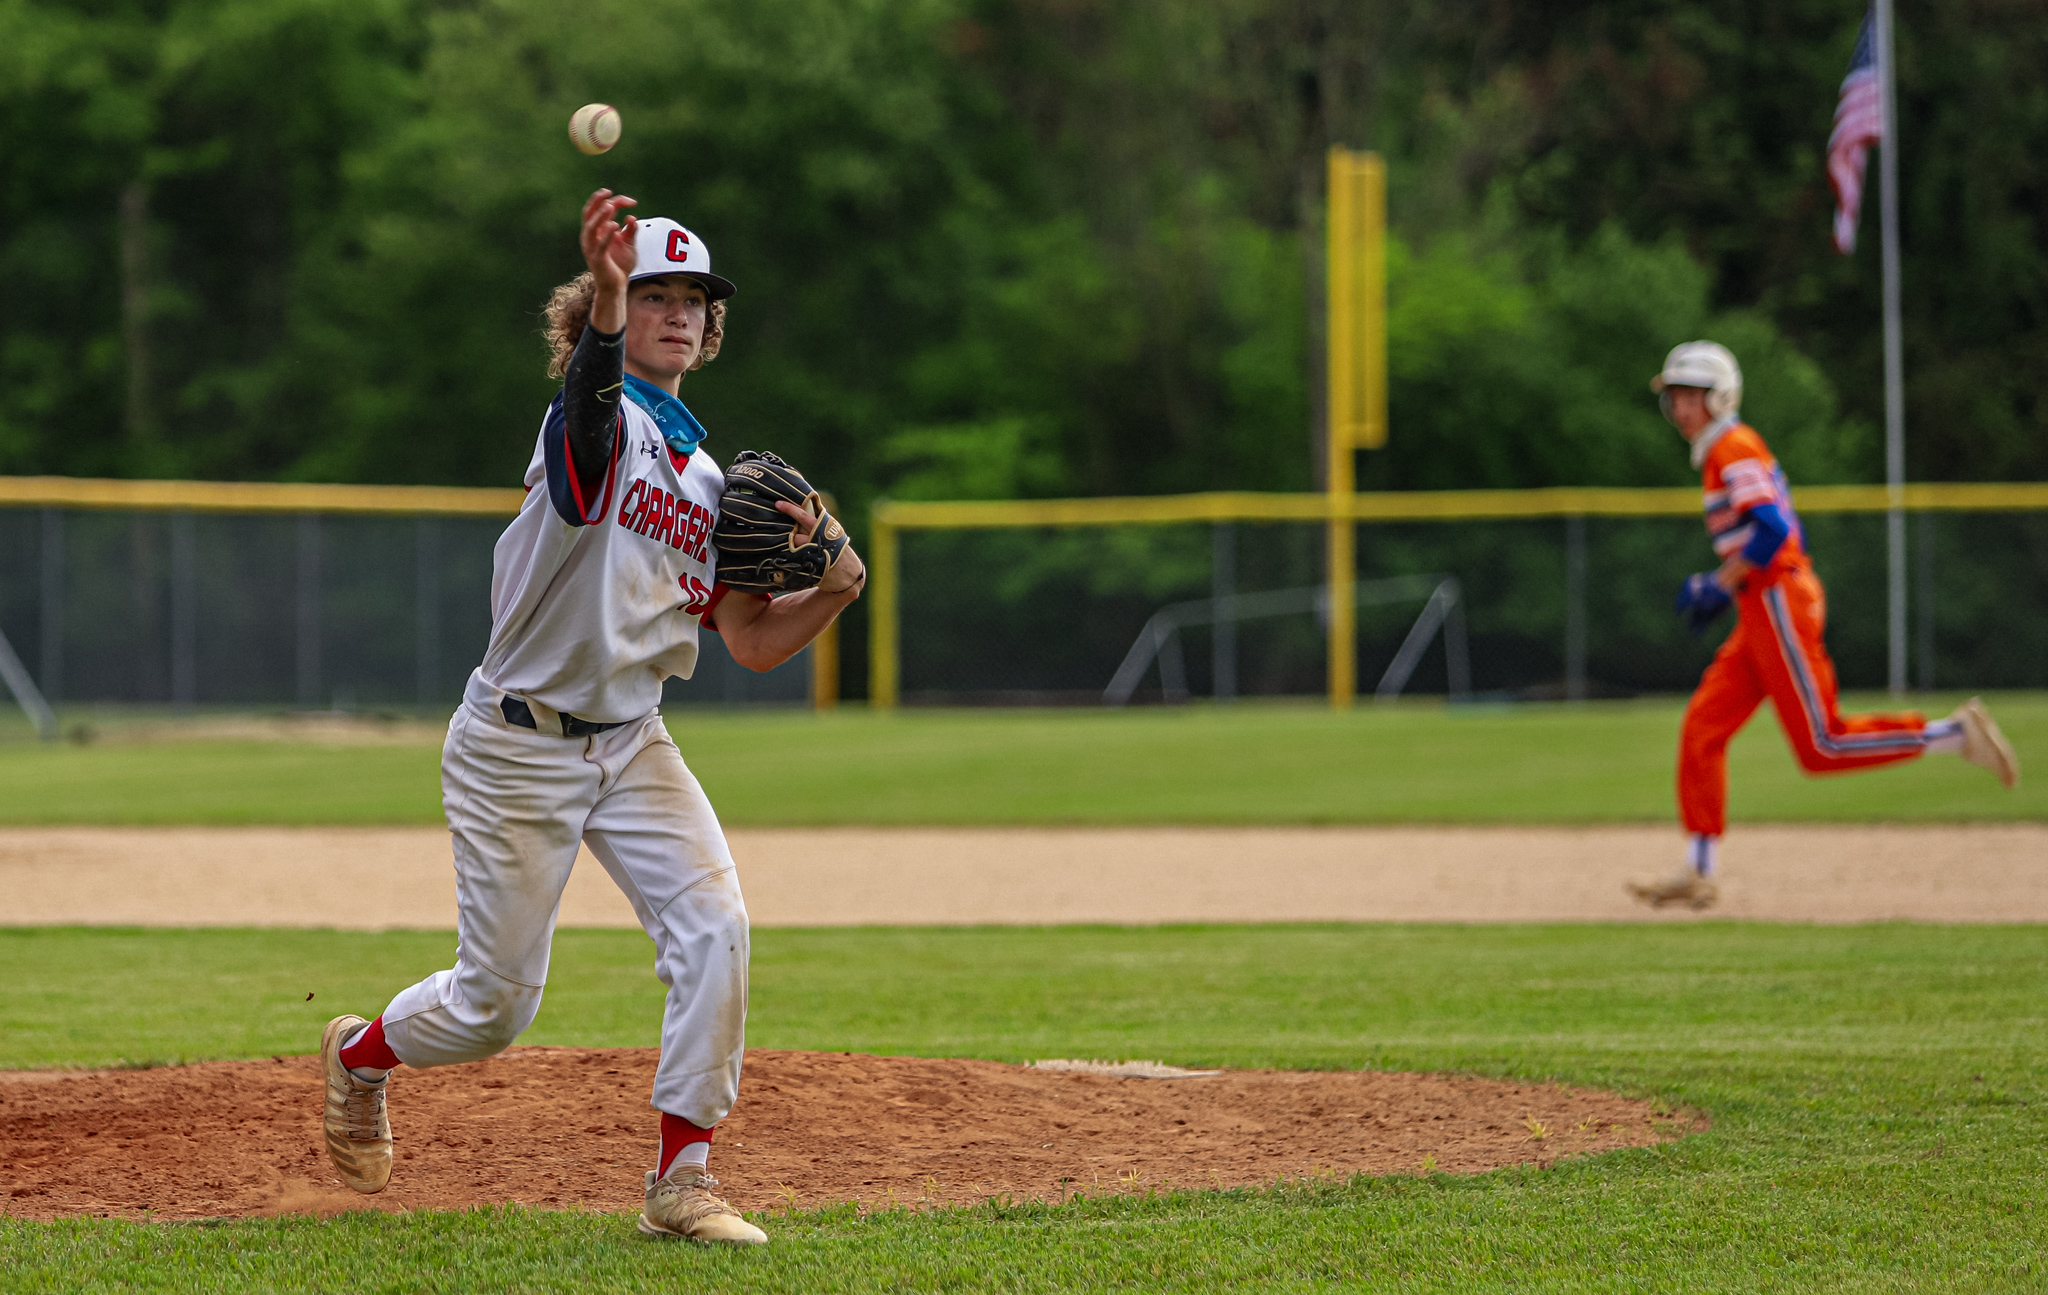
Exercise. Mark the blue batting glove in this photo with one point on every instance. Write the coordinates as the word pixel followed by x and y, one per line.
pixel 1700 602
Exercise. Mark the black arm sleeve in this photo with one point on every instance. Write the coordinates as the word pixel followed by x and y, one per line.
pixel 590 404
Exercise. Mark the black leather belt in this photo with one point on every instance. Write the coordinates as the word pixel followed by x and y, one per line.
pixel 518 712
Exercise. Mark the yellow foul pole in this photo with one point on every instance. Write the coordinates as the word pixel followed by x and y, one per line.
pixel 1357 293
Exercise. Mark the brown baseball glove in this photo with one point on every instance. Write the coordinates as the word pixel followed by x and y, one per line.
pixel 758 546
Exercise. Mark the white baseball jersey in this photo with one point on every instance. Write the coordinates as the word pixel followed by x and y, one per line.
pixel 595 601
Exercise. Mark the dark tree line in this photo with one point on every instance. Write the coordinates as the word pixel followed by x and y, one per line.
pixel 1000 247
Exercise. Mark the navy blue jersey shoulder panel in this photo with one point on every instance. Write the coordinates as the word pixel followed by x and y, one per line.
pixel 575 502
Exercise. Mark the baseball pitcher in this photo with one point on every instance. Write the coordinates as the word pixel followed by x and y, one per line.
pixel 630 542
pixel 1775 650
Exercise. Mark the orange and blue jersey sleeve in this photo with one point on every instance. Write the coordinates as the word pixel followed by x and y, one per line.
pixel 1768 532
pixel 1749 502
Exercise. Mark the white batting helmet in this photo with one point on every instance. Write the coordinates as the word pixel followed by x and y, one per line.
pixel 1704 364
pixel 664 247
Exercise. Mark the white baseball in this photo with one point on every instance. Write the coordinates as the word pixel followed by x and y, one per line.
pixel 594 128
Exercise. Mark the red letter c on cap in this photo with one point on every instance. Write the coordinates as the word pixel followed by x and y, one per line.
pixel 678 245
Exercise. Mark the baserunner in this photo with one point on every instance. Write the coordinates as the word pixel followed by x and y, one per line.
pixel 1775 650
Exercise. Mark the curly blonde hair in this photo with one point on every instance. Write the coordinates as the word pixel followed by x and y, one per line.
pixel 568 314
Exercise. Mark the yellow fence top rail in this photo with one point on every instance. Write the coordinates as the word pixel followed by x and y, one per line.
pixel 1429 505
pixel 253 497
pixel 1386 506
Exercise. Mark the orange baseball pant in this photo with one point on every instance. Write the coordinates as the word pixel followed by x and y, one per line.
pixel 1775 651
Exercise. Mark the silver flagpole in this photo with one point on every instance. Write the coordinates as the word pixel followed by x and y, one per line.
pixel 1894 358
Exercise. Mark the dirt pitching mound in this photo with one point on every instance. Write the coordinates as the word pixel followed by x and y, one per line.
pixel 571 1128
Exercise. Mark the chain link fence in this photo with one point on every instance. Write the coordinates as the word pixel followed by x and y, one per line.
pixel 381 612
pixel 1553 608
pixel 275 611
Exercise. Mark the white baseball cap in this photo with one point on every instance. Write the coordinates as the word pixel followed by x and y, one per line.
pixel 1703 364
pixel 664 247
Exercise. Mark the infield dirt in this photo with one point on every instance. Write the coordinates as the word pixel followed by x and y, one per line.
pixel 571 1128
pixel 401 877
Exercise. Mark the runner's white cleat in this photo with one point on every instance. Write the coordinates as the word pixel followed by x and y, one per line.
pixel 681 1205
pixel 1984 744
pixel 358 1134
pixel 1682 887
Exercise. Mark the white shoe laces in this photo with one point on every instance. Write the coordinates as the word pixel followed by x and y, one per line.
pixel 689 1199
pixel 362 1111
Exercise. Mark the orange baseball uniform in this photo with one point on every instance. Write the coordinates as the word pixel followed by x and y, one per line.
pixel 1775 650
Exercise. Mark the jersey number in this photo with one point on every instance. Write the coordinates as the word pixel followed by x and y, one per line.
pixel 696 598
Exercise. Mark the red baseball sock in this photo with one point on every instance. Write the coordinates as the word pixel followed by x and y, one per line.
pixel 677 1133
pixel 369 1051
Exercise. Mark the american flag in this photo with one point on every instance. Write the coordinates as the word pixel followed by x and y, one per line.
pixel 1859 123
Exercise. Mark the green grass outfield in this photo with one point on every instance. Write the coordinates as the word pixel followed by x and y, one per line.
pixel 1879 1098
pixel 1252 763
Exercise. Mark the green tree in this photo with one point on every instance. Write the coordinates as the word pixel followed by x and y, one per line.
pixel 1710 123
pixel 993 247
pixel 171 168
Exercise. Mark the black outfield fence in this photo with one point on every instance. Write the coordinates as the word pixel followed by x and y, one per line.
pixel 338 598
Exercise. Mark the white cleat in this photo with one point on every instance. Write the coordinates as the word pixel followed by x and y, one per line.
pixel 1985 745
pixel 681 1205
pixel 1682 887
pixel 358 1134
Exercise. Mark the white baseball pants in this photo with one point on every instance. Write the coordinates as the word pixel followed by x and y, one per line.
pixel 518 801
